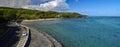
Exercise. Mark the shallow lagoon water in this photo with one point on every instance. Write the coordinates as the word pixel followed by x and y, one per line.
pixel 87 32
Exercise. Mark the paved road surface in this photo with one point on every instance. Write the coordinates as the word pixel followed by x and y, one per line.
pixel 39 39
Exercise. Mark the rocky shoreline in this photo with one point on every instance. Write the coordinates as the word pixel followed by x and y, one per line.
pixel 42 39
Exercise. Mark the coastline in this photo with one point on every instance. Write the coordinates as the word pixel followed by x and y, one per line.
pixel 41 19
pixel 42 39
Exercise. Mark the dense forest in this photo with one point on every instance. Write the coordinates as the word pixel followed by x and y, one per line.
pixel 12 14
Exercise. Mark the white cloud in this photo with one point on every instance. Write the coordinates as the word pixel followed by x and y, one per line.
pixel 54 5
pixel 44 5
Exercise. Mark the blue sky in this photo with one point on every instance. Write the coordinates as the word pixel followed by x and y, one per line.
pixel 86 7
pixel 95 7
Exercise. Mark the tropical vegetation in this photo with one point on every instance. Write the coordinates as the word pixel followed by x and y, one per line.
pixel 12 14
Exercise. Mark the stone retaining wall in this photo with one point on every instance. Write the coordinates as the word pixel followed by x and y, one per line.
pixel 23 40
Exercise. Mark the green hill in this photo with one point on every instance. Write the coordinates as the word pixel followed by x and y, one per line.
pixel 12 14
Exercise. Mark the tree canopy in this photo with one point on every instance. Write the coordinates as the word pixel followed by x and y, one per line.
pixel 12 14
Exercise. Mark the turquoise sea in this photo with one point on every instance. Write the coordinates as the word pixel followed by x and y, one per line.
pixel 85 32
